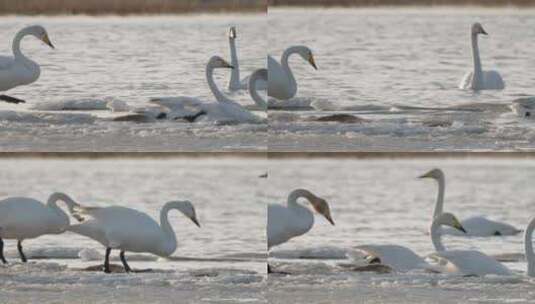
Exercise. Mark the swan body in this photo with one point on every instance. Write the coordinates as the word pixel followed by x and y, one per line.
pixel 403 259
pixel 127 229
pixel 235 83
pixel 294 219
pixel 224 110
pixel 476 225
pixel 18 69
pixel 26 218
pixel 281 83
pixel 478 79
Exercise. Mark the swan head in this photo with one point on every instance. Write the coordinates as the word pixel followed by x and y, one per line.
pixel 477 29
pixel 232 32
pixel 217 62
pixel 322 207
pixel 186 207
pixel 306 54
pixel 435 174
pixel 448 219
pixel 40 33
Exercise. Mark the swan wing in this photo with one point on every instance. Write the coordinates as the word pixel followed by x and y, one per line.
pixel 482 226
pixel 280 84
pixel 468 262
pixel 399 258
pixel 285 223
pixel 6 62
pixel 493 80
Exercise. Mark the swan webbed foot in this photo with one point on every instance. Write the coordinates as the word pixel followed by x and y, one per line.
pixel 21 253
pixel 107 261
pixel 2 252
pixel 10 99
pixel 125 264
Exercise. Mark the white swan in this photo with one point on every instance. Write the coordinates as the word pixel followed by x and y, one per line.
pixel 235 83
pixel 18 69
pixel 528 247
pixel 224 110
pixel 523 107
pixel 294 219
pixel 479 79
pixel 476 225
pixel 130 230
pixel 256 77
pixel 26 218
pixel 281 83
pixel 403 259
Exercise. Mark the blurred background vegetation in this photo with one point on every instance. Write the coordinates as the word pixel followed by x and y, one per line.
pixel 123 7
pixel 399 2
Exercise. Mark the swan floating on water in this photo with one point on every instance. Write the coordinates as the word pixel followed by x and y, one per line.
pixel 400 258
pixel 281 83
pixel 127 229
pixel 476 225
pixel 24 218
pixel 224 110
pixel 479 79
pixel 18 69
pixel 235 83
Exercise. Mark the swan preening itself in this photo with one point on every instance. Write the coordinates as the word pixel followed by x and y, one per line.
pixel 478 79
pixel 281 83
pixel 24 218
pixel 294 219
pixel 476 225
pixel 127 229
pixel 235 83
pixel 18 69
pixel 223 110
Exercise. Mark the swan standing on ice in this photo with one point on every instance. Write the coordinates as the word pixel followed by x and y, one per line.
pixel 224 110
pixel 235 83
pixel 479 79
pixel 281 83
pixel 18 69
pixel 130 230
pixel 403 259
pixel 476 225
pixel 26 218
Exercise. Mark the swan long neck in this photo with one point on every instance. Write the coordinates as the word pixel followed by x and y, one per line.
pixel 528 246
pixel 52 203
pixel 439 206
pixel 16 45
pixel 284 61
pixel 170 237
pixel 296 194
pixel 477 61
pixel 259 101
pixel 436 237
pixel 219 96
pixel 235 73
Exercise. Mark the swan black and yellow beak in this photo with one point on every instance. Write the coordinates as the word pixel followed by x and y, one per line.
pixel 46 40
pixel 457 225
pixel 312 62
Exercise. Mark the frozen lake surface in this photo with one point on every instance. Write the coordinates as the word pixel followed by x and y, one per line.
pixel 380 201
pixel 400 69
pixel 131 59
pixel 225 260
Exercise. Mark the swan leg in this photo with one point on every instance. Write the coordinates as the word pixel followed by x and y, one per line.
pixel 107 261
pixel 192 118
pixel 10 99
pixel 2 252
pixel 22 256
pixel 123 259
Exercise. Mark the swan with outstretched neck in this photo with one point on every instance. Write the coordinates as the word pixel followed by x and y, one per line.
pixel 475 225
pixel 235 83
pixel 224 110
pixel 24 218
pixel 281 83
pixel 127 229
pixel 294 219
pixel 478 79
pixel 18 69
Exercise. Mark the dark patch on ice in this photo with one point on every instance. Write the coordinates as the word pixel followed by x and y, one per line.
pixel 114 268
pixel 343 118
